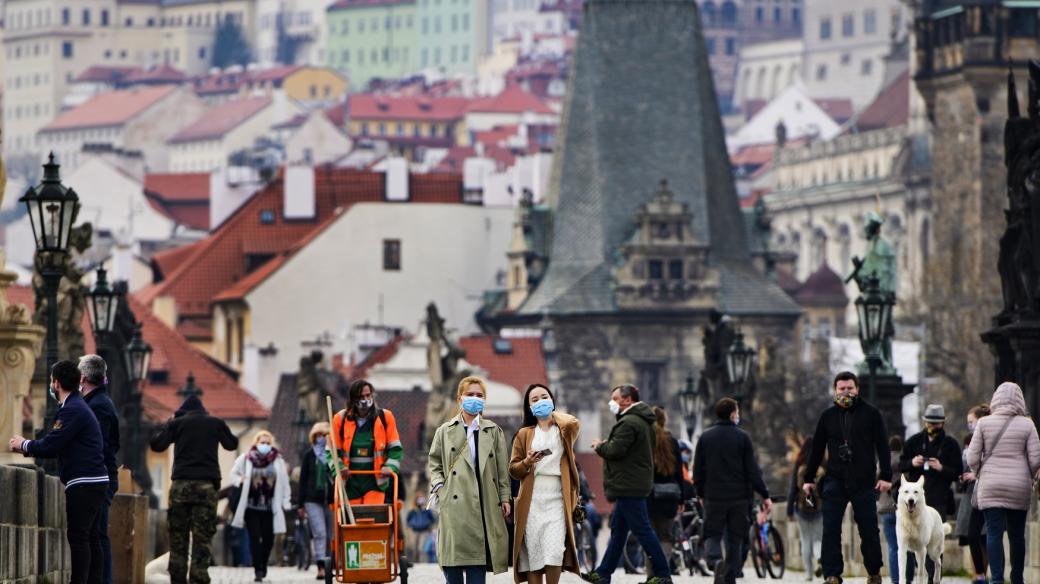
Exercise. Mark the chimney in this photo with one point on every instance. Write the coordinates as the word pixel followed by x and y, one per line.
pixel 123 264
pixel 396 179
pixel 298 192
pixel 260 373
pixel 224 197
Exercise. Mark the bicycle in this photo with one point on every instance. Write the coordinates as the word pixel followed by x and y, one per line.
pixel 585 542
pixel 688 553
pixel 767 546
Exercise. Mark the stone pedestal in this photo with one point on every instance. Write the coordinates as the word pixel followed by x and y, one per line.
pixel 1014 341
pixel 20 343
pixel 890 393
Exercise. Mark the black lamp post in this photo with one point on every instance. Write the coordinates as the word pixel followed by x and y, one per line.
pixel 102 305
pixel 690 402
pixel 739 359
pixel 52 209
pixel 189 388
pixel 875 314
pixel 138 358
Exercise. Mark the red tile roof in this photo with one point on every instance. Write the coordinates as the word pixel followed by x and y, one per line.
pixel 352 372
pixel 103 74
pixel 219 261
pixel 823 288
pixel 366 106
pixel 173 355
pixel 221 119
pixel 890 108
pixel 169 260
pixel 184 198
pixel 839 109
pixel 457 155
pixel 275 73
pixel 110 109
pixel 151 75
pixel 521 367
pixel 337 114
pixel 512 100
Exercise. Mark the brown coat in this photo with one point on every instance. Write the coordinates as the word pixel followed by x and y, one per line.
pixel 521 471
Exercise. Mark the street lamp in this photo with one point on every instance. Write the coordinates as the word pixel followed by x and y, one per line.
pixel 52 209
pixel 103 303
pixel 690 402
pixel 875 314
pixel 738 364
pixel 138 358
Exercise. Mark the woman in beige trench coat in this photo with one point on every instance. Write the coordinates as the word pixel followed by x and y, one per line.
pixel 543 462
pixel 468 474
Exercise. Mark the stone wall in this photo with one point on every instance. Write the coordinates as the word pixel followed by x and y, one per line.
pixel 32 528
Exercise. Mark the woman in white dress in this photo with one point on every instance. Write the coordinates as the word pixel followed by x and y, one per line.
pixel 543 462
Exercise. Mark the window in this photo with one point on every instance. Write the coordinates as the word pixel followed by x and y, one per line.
pixel 437 24
pixel 778 14
pixel 128 22
pixel 267 217
pixel 655 269
pixel 454 53
pixel 675 270
pixel 361 25
pixel 425 25
pixel 86 17
pixel 345 27
pixel 649 380
pixel 796 15
pixel 729 12
pixel 202 53
pixel 66 49
pixel 150 22
pixel 104 18
pixel 846 58
pixel 821 72
pixel 731 46
pixel 825 29
pixel 227 338
pixel 823 326
pixel 711 46
pixel 848 25
pixel 391 255
pixel 760 14
pixel 382 128
pixel 66 16
pixel 867 67
pixel 465 53
pixel 465 22
pixel 870 22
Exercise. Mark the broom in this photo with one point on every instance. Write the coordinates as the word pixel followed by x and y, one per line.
pixel 344 511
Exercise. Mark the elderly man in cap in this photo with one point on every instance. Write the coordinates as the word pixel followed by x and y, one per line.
pixel 936 456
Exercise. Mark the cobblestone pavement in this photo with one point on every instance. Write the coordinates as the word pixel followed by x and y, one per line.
pixel 431 574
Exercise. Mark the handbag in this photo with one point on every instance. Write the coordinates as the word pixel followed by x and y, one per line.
pixel 578 515
pixel 985 457
pixel 668 492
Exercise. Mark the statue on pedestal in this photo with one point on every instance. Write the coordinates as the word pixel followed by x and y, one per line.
pixel 879 263
pixel 310 390
pixel 442 356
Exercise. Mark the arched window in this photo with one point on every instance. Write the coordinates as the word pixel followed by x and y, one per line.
pixel 760 84
pixel 729 12
pixel 776 87
pixel 708 12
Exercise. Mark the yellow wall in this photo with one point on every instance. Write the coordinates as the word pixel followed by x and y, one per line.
pixel 298 85
pixel 237 313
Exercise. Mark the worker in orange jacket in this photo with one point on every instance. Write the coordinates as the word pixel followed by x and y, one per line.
pixel 368 440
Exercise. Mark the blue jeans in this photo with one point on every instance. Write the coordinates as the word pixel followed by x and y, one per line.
pixel 630 515
pixel 1014 522
pixel 106 544
pixel 888 524
pixel 474 574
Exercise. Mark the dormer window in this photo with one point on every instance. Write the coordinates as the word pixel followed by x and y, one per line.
pixel 656 269
pixel 662 231
pixel 675 270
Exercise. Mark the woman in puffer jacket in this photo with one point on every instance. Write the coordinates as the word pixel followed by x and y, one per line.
pixel 1004 472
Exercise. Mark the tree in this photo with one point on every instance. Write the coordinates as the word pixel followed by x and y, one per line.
pixel 230 46
pixel 287 44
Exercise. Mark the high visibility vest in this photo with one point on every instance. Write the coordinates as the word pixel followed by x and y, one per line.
pixel 384 432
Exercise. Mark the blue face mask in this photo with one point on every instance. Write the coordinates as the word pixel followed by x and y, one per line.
pixel 736 420
pixel 264 449
pixel 473 405
pixel 686 458
pixel 50 390
pixel 542 408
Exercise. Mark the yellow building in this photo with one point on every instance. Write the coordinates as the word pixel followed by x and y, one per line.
pixel 409 123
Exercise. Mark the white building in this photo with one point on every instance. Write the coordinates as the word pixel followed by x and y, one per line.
pixel 312 139
pixel 766 69
pixel 383 261
pixel 512 107
pixel 303 24
pixel 141 118
pixel 205 144
pixel 845 41
pixel 520 18
pixel 800 115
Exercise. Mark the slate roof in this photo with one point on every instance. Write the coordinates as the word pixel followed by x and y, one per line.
pixel 114 108
pixel 220 120
pixel 641 107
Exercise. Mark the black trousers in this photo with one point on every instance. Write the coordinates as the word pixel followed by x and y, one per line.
pixel 83 504
pixel 836 498
pixel 732 518
pixel 260 525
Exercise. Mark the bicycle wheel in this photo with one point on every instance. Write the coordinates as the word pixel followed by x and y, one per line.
pixel 775 553
pixel 757 553
pixel 586 550
pixel 633 555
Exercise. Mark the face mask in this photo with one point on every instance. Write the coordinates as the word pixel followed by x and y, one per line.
pixel 264 449
pixel 933 431
pixel 473 405
pixel 542 408
pixel 971 428
pixel 736 420
pixel 845 400
pixel 686 458
pixel 50 390
pixel 615 408
pixel 319 442
pixel 364 404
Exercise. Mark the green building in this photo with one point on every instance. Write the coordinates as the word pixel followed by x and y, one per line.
pixel 372 39
pixel 453 34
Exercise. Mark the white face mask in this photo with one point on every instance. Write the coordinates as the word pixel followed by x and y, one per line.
pixel 615 408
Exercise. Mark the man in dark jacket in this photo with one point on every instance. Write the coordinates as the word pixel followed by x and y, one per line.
pixel 936 456
pixel 855 437
pixel 92 385
pixel 75 440
pixel 628 479
pixel 726 476
pixel 196 479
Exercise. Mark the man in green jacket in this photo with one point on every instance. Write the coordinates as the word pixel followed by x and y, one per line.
pixel 628 479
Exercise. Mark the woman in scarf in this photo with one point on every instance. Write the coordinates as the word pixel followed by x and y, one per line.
pixel 266 494
pixel 315 494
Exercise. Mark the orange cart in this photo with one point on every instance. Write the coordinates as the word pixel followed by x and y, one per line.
pixel 370 549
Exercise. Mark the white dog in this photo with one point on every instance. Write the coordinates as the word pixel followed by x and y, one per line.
pixel 919 530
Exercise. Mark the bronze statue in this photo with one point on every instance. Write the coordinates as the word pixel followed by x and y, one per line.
pixel 877 268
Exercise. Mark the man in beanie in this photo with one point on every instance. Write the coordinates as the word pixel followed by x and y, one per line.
pixel 936 456
pixel 196 479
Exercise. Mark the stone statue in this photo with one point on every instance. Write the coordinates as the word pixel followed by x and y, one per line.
pixel 878 265
pixel 716 338
pixel 310 390
pixel 442 362
pixel 71 294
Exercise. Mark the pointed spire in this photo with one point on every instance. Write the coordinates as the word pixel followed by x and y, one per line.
pixel 1012 93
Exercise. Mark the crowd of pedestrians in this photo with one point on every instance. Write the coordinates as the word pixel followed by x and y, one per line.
pixel 497 503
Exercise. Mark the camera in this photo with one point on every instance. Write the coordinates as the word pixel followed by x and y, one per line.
pixel 845 452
